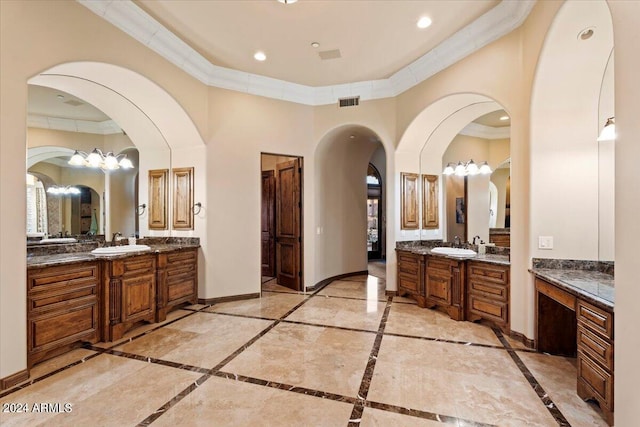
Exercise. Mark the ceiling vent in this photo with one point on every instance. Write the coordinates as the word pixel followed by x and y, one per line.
pixel 349 102
pixel 330 54
pixel 73 102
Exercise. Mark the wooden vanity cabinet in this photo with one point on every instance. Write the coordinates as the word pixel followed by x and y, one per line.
pixel 445 280
pixel 595 356
pixel 129 293
pixel 488 293
pixel 176 280
pixel 62 309
pixel 411 275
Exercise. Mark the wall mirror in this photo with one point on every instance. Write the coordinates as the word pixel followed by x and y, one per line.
pixel 469 152
pixel 69 200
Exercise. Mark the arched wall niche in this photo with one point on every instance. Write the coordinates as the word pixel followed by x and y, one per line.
pixel 572 188
pixel 340 168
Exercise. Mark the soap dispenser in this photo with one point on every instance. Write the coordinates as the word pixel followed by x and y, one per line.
pixel 482 248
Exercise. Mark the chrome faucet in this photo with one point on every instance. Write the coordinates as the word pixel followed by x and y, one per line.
pixel 474 239
pixel 114 236
pixel 456 241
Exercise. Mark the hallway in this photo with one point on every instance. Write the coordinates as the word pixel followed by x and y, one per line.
pixel 345 352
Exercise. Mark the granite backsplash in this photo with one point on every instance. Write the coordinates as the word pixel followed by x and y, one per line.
pixel 606 267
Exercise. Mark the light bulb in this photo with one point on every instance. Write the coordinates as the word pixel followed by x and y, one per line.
pixel 94 159
pixel 110 162
pixel 485 169
pixel 460 171
pixel 125 163
pixel 472 168
pixel 448 170
pixel 609 131
pixel 76 159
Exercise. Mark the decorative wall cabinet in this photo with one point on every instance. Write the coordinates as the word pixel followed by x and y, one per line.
pixel 158 187
pixel 430 202
pixel 409 201
pixel 182 198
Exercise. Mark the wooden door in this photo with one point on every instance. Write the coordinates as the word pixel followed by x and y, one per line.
pixel 288 224
pixel 268 216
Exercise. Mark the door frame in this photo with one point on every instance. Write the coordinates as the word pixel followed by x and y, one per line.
pixel 301 248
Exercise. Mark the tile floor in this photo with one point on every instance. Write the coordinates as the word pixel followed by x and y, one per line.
pixel 344 355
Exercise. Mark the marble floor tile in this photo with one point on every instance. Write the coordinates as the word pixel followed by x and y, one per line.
pixel 195 307
pixel 270 305
pixel 330 360
pixel 407 319
pixel 405 300
pixel 104 384
pixel 471 383
pixel 348 313
pixel 48 366
pixel 372 289
pixel 377 269
pixel 222 402
pixel 145 327
pixel 273 286
pixel 202 340
pixel 558 376
pixel 377 418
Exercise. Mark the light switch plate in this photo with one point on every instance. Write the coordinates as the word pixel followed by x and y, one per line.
pixel 545 242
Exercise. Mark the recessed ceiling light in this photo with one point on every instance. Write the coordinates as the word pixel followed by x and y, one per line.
pixel 586 34
pixel 352 136
pixel 260 56
pixel 503 118
pixel 287 1
pixel 315 44
pixel 424 22
pixel 60 97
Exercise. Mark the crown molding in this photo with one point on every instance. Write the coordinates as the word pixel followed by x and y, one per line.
pixel 107 127
pixel 486 132
pixel 128 17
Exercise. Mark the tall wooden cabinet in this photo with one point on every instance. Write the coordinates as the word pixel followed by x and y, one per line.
pixel 63 309
pixel 411 276
pixel 488 293
pixel 176 280
pixel 129 294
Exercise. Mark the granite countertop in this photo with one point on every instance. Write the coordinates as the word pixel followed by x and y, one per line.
pixel 499 231
pixel 488 258
pixel 593 286
pixel 39 261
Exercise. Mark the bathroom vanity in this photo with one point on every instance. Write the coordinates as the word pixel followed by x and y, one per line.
pixel 465 288
pixel 575 317
pixel 77 297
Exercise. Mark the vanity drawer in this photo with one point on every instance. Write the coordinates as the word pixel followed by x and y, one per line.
pixel 595 347
pixel 408 263
pixel 178 259
pixel 488 309
pixel 409 282
pixel 596 319
pixel 556 294
pixel 487 272
pixel 488 289
pixel 50 279
pixel 133 266
pixel 596 380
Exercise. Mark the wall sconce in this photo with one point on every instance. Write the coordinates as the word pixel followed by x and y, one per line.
pixel 467 168
pixel 197 206
pixel 97 159
pixel 141 209
pixel 609 131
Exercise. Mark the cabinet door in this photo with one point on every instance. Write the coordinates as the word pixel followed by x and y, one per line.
pixel 409 201
pixel 438 287
pixel 138 297
pixel 430 202
pixel 183 198
pixel 158 199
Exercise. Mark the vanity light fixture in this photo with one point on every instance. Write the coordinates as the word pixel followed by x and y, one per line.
pixel 97 159
pixel 57 190
pixel 467 168
pixel 609 131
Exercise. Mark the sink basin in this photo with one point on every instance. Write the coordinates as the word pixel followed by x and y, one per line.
pixel 59 240
pixel 454 252
pixel 119 250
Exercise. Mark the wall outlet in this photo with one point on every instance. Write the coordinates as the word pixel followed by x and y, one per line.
pixel 545 242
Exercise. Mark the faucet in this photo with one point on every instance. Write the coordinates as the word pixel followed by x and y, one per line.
pixel 114 236
pixel 474 240
pixel 456 241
